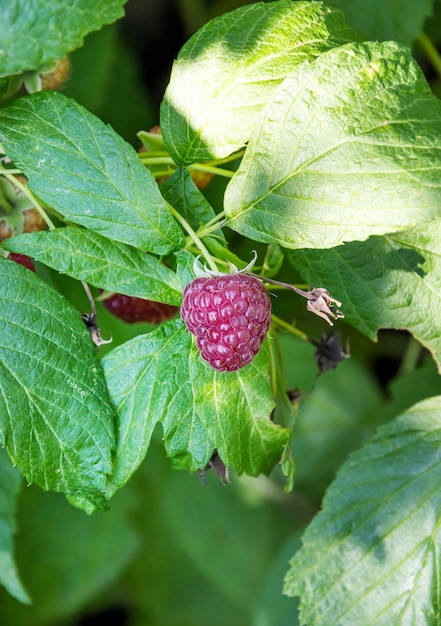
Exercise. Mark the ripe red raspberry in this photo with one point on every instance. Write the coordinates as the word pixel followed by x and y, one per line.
pixel 230 316
pixel 131 309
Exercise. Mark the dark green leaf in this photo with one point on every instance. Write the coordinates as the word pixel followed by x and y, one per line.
pixel 372 555
pixel 146 377
pixel 162 377
pixel 85 171
pixel 10 484
pixel 226 72
pixel 401 20
pixel 34 32
pixel 348 147
pixel 55 416
pixel 385 282
pixel 181 192
pixel 104 263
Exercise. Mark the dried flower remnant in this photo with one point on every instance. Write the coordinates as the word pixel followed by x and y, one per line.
pixel 219 468
pixel 324 305
pixel 330 351
pixel 89 320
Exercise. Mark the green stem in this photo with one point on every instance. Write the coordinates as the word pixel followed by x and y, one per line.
pixel 162 173
pixel 211 169
pixel 410 357
pixel 289 328
pixel 273 370
pixel 231 157
pixel 12 179
pixel 431 52
pixel 11 171
pixel 214 224
pixel 158 160
pixel 194 237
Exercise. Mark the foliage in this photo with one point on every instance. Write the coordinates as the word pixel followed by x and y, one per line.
pixel 283 130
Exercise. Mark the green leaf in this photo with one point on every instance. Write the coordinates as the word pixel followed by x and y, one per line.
pixel 181 192
pixel 379 20
pixel 34 32
pixel 340 136
pixel 146 376
pixel 385 282
pixel 55 416
pixel 161 377
pixel 10 484
pixel 372 555
pixel 87 172
pixel 236 409
pixel 226 72
pixel 104 263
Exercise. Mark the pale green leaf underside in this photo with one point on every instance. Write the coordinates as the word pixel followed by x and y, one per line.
pixel 36 32
pixel 10 484
pixel 160 377
pixel 235 409
pixel 372 555
pixel 399 20
pixel 348 147
pixel 55 416
pixel 104 263
pixel 385 282
pixel 226 72
pixel 87 172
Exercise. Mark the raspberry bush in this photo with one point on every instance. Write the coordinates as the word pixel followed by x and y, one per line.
pixel 302 389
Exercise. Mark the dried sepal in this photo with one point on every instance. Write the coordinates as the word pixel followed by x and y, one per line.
pixel 324 305
pixel 89 320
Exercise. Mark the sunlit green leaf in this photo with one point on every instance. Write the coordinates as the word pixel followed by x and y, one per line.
pixel 226 72
pixel 348 147
pixel 385 282
pixel 372 555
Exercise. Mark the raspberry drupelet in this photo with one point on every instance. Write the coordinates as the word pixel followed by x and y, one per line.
pixel 230 316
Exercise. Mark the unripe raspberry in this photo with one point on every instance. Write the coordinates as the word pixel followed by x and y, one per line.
pixel 230 316
pixel 22 259
pixel 131 309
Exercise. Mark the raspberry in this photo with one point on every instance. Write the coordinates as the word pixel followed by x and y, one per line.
pixel 132 309
pixel 23 260
pixel 230 316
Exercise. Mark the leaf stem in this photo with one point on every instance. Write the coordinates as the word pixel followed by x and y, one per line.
pixel 216 223
pixel 430 51
pixel 158 160
pixel 410 357
pixel 296 290
pixel 12 179
pixel 194 237
pixel 278 321
pixel 211 169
